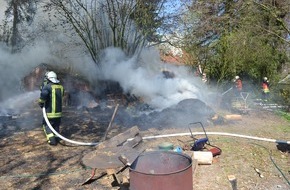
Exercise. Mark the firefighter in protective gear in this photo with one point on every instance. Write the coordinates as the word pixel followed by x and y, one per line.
pixel 265 89
pixel 51 96
pixel 238 85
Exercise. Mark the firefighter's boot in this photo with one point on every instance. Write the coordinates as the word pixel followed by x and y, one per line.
pixel 51 139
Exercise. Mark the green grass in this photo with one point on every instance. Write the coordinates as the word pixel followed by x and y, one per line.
pixel 284 114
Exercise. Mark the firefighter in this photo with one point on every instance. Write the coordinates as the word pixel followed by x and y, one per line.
pixel 265 89
pixel 51 96
pixel 238 85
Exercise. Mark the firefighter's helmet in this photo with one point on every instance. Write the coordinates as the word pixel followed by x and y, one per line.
pixel 51 76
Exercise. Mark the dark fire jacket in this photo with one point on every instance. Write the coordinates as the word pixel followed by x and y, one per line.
pixel 51 95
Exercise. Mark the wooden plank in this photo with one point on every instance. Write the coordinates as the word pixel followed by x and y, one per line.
pixel 233 117
pixel 120 138
pixel 108 157
pixel 134 142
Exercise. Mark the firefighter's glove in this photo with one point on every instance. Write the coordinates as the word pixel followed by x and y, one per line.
pixel 41 103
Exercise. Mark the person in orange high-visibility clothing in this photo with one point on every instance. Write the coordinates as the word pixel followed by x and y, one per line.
pixel 265 89
pixel 238 85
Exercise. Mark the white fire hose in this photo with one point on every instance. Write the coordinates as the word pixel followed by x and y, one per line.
pixel 168 135
pixel 216 133
pixel 62 137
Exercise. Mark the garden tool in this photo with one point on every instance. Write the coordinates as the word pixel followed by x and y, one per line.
pixel 199 144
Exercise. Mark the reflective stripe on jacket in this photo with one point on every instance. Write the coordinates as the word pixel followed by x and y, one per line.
pixel 239 84
pixel 52 94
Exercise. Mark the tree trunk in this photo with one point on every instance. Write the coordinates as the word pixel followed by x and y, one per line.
pixel 14 37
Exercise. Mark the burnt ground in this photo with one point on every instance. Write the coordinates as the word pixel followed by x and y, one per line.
pixel 28 162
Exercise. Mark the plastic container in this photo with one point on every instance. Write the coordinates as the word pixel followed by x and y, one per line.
pixel 165 146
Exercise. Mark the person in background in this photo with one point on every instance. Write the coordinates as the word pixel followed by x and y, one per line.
pixel 204 78
pixel 44 81
pixel 238 85
pixel 265 89
pixel 51 96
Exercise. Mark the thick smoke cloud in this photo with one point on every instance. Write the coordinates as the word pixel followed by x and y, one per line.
pixel 143 77
pixel 14 67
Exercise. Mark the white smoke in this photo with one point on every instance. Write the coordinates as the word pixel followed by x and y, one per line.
pixel 140 76
pixel 17 103
pixel 14 67
pixel 143 77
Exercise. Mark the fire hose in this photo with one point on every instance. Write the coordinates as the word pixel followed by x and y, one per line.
pixel 163 136
pixel 227 91
pixel 217 133
pixel 62 137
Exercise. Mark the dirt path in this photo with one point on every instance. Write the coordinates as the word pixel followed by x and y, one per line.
pixel 27 162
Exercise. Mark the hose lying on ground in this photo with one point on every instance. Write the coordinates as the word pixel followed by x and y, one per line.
pixel 168 135
pixel 216 133
pixel 62 137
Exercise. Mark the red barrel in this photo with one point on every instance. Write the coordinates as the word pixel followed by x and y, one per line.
pixel 161 170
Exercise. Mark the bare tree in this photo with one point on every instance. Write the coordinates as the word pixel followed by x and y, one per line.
pixel 126 24
pixel 19 11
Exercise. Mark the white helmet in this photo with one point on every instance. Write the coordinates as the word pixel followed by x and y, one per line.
pixel 51 76
pixel 265 78
pixel 237 77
